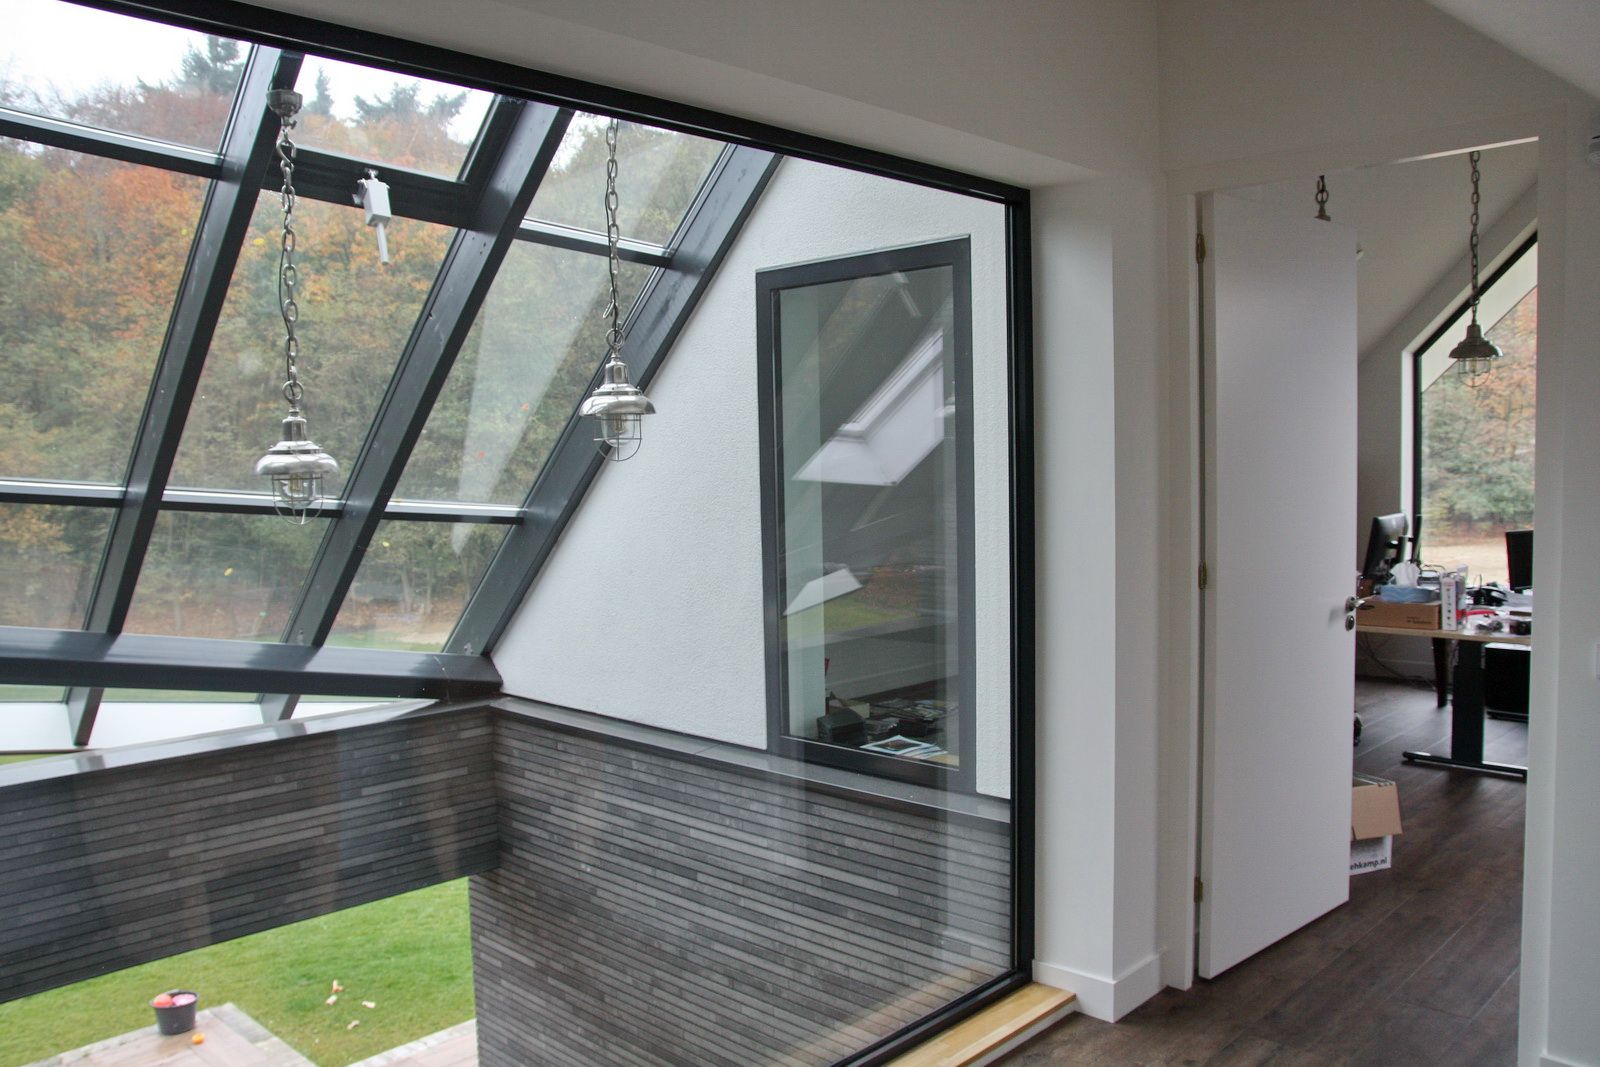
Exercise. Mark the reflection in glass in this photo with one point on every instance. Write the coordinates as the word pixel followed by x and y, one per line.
pixel 871 626
pixel 414 581
pixel 658 174
pixel 234 577
pixel 522 372
pixel 94 252
pixel 31 694
pixel 382 117
pixel 49 562
pixel 355 317
pixel 1477 444
pixel 118 73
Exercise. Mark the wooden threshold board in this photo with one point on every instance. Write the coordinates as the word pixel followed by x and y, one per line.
pixel 996 1029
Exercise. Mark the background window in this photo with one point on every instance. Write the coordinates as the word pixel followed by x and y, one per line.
pixel 866 418
pixel 1475 447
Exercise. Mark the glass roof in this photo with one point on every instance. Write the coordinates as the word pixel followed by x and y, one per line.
pixel 117 73
pixel 95 250
pixel 355 316
pixel 413 583
pixel 96 291
pixel 658 174
pixel 524 368
pixel 234 577
pixel 388 118
pixel 47 566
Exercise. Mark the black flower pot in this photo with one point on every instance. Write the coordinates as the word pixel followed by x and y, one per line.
pixel 177 1018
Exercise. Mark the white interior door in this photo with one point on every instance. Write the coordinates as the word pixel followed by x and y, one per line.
pixel 1279 297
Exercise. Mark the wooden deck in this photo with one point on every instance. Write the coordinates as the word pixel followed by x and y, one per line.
pixel 232 1039
pixel 455 1047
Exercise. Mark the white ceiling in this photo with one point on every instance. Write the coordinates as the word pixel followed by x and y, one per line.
pixel 1562 36
pixel 1411 222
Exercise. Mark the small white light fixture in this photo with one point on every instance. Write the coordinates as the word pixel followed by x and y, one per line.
pixel 296 466
pixel 1475 355
pixel 618 404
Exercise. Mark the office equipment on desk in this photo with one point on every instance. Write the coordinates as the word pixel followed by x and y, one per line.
pixel 1450 587
pixel 1386 546
pixel 1519 560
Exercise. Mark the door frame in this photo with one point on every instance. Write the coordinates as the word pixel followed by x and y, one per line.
pixel 1183 631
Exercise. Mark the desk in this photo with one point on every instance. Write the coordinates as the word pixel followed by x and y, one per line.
pixel 1466 704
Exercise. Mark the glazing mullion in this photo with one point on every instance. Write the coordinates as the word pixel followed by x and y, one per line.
pixel 247 150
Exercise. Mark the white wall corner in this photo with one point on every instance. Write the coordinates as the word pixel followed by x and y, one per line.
pixel 1556 1061
pixel 1099 997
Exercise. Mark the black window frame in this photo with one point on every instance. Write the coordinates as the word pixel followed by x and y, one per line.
pixel 955 254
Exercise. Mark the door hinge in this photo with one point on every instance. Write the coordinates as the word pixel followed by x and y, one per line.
pixel 1199 890
pixel 1205 576
pixel 1199 247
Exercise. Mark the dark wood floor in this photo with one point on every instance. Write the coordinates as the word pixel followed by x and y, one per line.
pixel 1420 967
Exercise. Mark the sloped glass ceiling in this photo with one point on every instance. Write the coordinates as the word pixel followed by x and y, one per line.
pixel 116 73
pixel 95 279
pixel 95 250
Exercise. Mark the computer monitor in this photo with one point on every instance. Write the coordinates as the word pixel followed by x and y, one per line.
pixel 1519 559
pixel 1386 546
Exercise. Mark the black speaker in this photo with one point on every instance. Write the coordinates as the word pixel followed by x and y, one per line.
pixel 1505 678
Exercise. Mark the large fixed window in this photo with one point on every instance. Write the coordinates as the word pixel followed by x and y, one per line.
pixel 866 372
pixel 1474 442
pixel 140 332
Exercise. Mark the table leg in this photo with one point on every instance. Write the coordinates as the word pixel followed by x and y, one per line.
pixel 1466 720
pixel 1441 669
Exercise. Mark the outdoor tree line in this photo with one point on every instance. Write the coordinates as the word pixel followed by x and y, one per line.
pixel 98 249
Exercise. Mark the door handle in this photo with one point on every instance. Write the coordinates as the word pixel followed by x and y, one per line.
pixel 1351 606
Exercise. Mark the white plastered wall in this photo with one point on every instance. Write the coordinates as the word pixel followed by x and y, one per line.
pixel 661 566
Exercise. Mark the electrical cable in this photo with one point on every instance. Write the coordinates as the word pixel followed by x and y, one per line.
pixel 1364 641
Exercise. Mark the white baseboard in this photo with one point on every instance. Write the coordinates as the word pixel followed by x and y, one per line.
pixel 1548 1060
pixel 1107 999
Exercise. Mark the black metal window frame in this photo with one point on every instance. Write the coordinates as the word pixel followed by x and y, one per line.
pixel 487 205
pixel 283 30
pixel 956 255
pixel 1449 327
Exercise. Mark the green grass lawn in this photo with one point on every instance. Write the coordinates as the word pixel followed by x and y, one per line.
pixel 410 955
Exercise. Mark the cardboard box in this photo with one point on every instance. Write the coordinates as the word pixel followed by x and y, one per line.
pixel 1408 616
pixel 1374 820
pixel 1375 854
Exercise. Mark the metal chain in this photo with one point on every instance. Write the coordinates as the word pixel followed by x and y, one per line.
pixel 613 310
pixel 1474 240
pixel 1322 198
pixel 288 276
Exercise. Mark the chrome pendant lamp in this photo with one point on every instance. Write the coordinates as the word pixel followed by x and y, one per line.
pixel 296 466
pixel 1474 357
pixel 618 405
